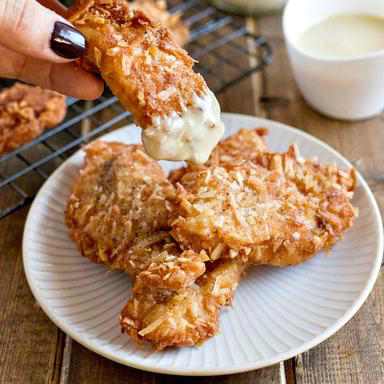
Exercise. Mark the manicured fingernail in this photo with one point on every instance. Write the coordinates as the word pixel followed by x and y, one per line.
pixel 67 41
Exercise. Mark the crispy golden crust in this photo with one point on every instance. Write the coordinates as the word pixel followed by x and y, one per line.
pixel 280 213
pixel 158 10
pixel 138 58
pixel 25 112
pixel 242 146
pixel 118 213
pixel 250 146
pixel 247 205
pixel 308 175
pixel 187 316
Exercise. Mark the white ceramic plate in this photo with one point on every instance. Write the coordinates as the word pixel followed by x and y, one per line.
pixel 278 312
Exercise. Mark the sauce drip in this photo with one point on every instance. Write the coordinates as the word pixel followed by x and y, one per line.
pixel 189 136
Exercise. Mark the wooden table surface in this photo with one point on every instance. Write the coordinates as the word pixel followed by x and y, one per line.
pixel 33 350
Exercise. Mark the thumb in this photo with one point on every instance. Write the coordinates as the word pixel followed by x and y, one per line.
pixel 29 28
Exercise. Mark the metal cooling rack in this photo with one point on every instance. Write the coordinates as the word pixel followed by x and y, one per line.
pixel 226 52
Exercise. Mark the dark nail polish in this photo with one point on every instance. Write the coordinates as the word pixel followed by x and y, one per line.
pixel 67 41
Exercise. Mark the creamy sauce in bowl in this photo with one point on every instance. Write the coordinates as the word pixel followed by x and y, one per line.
pixel 344 35
pixel 189 136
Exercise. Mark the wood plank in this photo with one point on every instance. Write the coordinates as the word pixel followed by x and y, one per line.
pixel 88 367
pixel 30 344
pixel 355 353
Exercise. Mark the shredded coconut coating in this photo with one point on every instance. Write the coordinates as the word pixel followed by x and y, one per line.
pixel 276 209
pixel 309 175
pixel 138 58
pixel 158 10
pixel 238 148
pixel 186 317
pixel 26 112
pixel 188 244
pixel 118 212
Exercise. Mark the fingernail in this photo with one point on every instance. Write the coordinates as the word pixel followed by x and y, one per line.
pixel 67 41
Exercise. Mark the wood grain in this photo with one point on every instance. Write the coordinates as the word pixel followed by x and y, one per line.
pixel 87 367
pixel 30 344
pixel 355 353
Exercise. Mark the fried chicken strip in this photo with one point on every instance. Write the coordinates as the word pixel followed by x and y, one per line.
pixel 188 316
pixel 118 212
pixel 276 209
pixel 153 78
pixel 26 112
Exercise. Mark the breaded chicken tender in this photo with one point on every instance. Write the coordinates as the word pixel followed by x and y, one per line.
pixel 186 317
pixel 26 112
pixel 173 21
pixel 118 213
pixel 137 57
pixel 279 213
pixel 153 78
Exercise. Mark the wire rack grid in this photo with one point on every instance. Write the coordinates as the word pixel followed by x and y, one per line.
pixel 226 53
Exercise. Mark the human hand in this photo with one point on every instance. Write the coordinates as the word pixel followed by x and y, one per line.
pixel 38 46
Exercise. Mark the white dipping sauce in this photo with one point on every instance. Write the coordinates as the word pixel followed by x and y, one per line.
pixel 189 136
pixel 344 34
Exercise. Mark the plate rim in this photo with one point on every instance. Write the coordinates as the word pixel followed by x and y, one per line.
pixel 261 363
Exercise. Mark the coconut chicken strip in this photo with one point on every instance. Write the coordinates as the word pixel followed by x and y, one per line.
pixel 264 214
pixel 186 317
pixel 118 212
pixel 153 78
pixel 26 112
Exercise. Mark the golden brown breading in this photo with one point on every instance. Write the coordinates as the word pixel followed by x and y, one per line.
pixel 242 146
pixel 246 205
pixel 308 175
pixel 265 214
pixel 118 213
pixel 187 316
pixel 173 21
pixel 250 145
pixel 26 112
pixel 311 176
pixel 138 58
